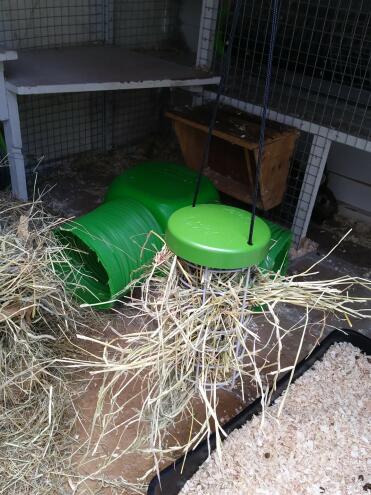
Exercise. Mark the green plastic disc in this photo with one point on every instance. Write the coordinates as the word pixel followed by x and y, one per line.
pixel 215 236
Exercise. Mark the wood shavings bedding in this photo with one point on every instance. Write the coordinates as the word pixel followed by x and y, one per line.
pixel 319 445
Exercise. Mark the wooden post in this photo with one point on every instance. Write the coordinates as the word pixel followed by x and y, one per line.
pixel 13 140
pixel 206 37
pixel 312 180
pixel 9 115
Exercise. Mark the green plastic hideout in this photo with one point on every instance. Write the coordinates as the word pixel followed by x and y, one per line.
pixel 106 249
pixel 277 259
pixel 161 187
pixel 3 151
pixel 215 236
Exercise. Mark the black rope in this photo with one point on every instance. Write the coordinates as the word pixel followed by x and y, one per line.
pixel 275 4
pixel 226 62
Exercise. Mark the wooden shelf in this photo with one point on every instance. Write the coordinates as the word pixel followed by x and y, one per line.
pixel 96 68
pixel 229 186
pixel 233 152
pixel 231 125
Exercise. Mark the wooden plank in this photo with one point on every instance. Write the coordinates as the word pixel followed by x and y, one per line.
pixel 108 86
pixel 216 132
pixel 191 143
pixel 349 162
pixel 13 140
pixel 232 162
pixel 298 123
pixel 232 122
pixel 3 102
pixel 231 187
pixel 351 192
pixel 274 171
pixel 251 170
pixel 311 182
pixel 236 182
pixel 244 142
pixel 206 37
pixel 224 158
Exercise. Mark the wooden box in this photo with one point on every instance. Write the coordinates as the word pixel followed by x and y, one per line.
pixel 234 151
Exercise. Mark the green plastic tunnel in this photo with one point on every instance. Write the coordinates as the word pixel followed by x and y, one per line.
pixel 163 187
pixel 106 248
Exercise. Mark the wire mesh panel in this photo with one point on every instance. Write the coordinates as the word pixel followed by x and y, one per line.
pixel 321 60
pixel 135 114
pixel 321 79
pixel 149 24
pixel 168 27
pixel 45 23
pixel 145 24
pixel 55 127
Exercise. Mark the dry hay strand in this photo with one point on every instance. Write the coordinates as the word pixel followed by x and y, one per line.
pixel 37 320
pixel 187 346
pixel 38 325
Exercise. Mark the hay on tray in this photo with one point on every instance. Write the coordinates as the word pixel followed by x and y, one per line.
pixel 187 345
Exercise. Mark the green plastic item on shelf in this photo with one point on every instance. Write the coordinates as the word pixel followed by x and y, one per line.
pixel 277 259
pixel 222 23
pixel 216 236
pixel 4 171
pixel 3 150
pixel 162 187
pixel 106 249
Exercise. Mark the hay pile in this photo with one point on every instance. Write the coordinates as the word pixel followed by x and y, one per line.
pixel 38 324
pixel 40 451
pixel 37 320
pixel 188 344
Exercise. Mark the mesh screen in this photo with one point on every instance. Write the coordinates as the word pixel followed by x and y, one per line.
pixel 321 63
pixel 45 23
pixel 54 127
pixel 321 80
pixel 147 24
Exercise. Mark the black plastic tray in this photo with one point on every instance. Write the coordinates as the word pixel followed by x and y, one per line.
pixel 173 478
